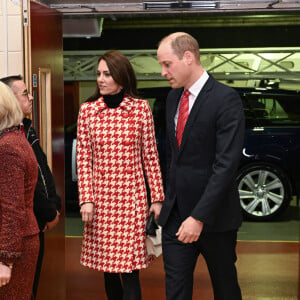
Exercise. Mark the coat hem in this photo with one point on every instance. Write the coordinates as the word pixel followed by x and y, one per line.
pixel 145 266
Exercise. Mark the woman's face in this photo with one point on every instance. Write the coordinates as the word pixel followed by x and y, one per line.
pixel 106 83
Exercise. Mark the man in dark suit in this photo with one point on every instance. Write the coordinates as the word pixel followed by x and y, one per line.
pixel 205 133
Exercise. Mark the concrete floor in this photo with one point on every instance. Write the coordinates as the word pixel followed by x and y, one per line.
pixel 266 270
pixel 268 264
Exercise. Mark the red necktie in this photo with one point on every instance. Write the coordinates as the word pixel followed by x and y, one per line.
pixel 182 115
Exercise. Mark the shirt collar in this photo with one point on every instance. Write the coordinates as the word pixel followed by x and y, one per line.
pixel 198 85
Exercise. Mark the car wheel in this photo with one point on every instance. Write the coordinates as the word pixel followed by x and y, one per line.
pixel 264 191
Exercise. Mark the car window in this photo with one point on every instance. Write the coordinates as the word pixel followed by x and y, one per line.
pixel 249 113
pixel 272 110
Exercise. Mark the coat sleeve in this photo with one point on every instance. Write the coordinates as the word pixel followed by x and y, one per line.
pixel 84 157
pixel 12 205
pixel 150 156
pixel 53 197
pixel 46 201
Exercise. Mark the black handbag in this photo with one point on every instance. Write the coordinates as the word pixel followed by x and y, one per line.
pixel 151 225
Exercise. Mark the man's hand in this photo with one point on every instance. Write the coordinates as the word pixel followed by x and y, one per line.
pixel 190 230
pixel 87 212
pixel 53 223
pixel 5 275
pixel 156 208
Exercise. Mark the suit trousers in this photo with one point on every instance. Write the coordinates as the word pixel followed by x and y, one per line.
pixel 218 250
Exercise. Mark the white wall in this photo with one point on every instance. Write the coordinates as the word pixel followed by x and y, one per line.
pixel 11 40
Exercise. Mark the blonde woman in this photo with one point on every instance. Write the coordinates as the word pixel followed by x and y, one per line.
pixel 19 242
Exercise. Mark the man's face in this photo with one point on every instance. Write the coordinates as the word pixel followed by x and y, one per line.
pixel 25 99
pixel 172 68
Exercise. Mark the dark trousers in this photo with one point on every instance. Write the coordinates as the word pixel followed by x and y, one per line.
pixel 124 286
pixel 38 266
pixel 218 250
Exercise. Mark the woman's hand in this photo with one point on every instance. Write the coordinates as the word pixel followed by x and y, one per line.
pixel 87 212
pixel 5 275
pixel 156 208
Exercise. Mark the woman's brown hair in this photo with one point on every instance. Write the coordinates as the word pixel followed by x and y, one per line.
pixel 121 71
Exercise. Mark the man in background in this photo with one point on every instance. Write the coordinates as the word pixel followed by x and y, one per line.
pixel 47 203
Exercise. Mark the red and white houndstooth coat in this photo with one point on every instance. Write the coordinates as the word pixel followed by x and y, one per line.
pixel 113 147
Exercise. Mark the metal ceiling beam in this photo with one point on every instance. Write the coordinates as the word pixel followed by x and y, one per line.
pixel 193 21
pixel 224 64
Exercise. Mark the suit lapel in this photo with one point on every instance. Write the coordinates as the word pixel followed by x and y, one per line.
pixel 171 111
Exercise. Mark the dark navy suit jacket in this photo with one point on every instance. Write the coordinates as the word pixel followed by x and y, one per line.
pixel 201 174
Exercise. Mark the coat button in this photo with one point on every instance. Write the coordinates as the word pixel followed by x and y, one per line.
pixel 101 143
pixel 125 115
pixel 126 143
pixel 129 170
pixel 102 171
pixel 101 115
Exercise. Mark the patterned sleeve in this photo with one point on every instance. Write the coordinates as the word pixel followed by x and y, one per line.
pixel 150 156
pixel 84 157
pixel 12 205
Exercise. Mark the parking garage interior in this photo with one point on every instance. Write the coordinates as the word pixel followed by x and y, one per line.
pixel 241 44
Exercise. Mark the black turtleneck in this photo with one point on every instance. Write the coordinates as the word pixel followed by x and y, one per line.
pixel 113 101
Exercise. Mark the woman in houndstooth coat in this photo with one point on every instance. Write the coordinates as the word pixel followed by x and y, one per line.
pixel 115 147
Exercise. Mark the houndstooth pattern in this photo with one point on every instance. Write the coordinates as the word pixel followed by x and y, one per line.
pixel 113 145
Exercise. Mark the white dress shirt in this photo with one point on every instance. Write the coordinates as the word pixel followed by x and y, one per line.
pixel 194 92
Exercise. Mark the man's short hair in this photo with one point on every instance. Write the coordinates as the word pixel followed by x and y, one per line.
pixel 181 42
pixel 9 80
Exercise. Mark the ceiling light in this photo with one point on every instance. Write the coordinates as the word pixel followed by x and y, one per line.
pixel 180 5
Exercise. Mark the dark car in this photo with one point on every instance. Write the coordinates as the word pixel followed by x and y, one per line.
pixel 269 173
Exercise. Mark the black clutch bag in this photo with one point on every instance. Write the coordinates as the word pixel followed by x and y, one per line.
pixel 151 225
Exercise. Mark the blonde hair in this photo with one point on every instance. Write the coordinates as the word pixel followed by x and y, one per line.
pixel 10 110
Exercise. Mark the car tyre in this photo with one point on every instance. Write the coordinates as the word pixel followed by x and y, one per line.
pixel 264 191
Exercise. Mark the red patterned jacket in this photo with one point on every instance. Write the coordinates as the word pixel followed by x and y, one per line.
pixel 114 146
pixel 18 176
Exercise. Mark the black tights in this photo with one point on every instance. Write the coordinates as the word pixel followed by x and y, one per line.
pixel 123 286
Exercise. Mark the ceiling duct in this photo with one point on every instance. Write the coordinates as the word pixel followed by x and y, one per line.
pixel 103 7
pixel 82 27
